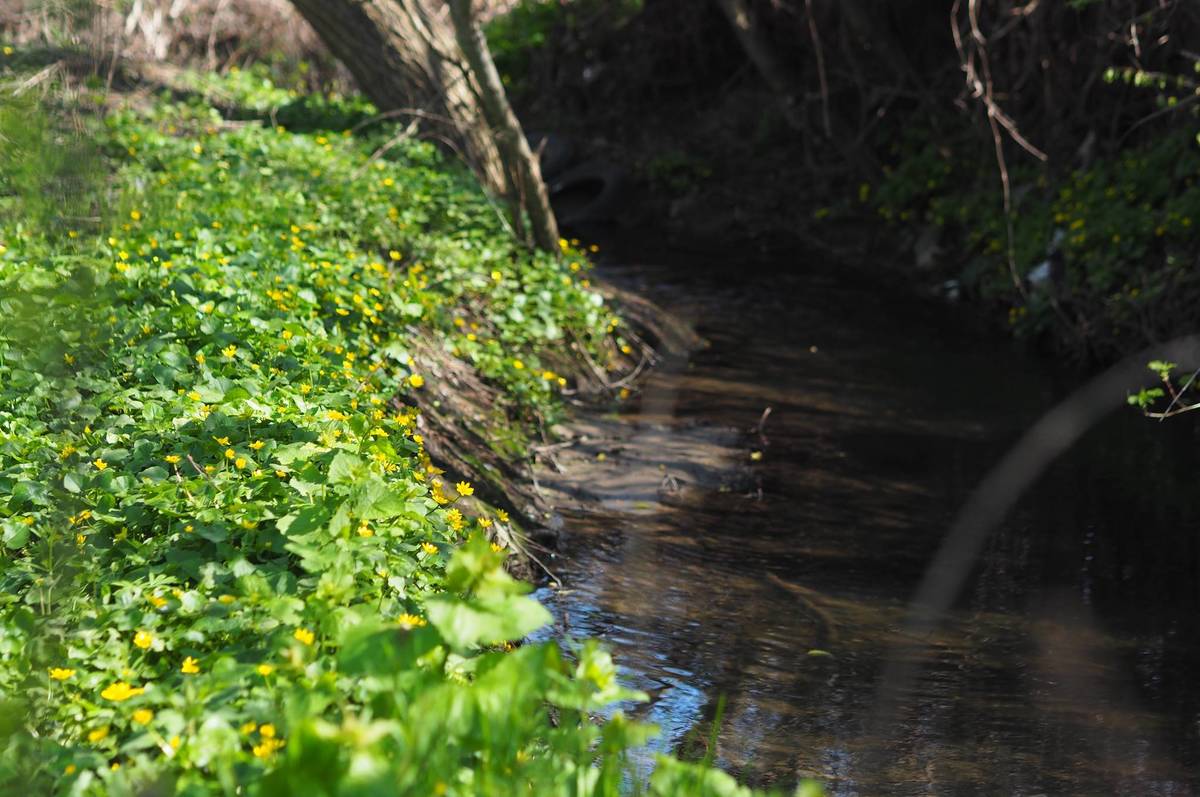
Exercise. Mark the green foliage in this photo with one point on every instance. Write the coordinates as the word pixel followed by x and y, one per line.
pixel 518 35
pixel 1126 224
pixel 229 565
pixel 48 175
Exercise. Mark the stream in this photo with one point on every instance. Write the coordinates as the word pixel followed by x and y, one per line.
pixel 766 564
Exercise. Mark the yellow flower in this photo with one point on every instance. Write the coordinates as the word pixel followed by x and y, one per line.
pixel 99 734
pixel 190 666
pixel 135 215
pixel 249 727
pixel 267 748
pixel 394 255
pixel 68 359
pixel 143 639
pixel 518 364
pixel 549 376
pixel 157 602
pixel 267 731
pixel 200 357
pixel 222 440
pixel 485 523
pixel 429 548
pixel 230 453
pixel 70 769
pixel 264 670
pixel 416 380
pixel 497 547
pixel 171 458
pixel 464 488
pixel 257 444
pixel 120 691
pixel 455 519
pixel 407 621
pixel 239 463
pixel 304 636
pixel 229 350
pixel 143 716
pixel 100 464
pixel 61 673
pixel 502 515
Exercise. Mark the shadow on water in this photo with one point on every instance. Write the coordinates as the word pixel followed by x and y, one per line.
pixel 782 581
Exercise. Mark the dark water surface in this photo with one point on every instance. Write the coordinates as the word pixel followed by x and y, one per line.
pixel 1071 664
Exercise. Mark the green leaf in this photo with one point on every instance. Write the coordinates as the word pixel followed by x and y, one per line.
pixel 15 534
pixel 155 473
pixel 287 454
pixel 469 624
pixel 344 467
pixel 304 521
pixel 374 649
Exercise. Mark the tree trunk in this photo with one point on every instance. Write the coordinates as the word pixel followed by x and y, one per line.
pixel 405 57
pixel 524 173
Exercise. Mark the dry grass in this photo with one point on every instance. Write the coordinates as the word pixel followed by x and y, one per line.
pixel 205 34
pixel 210 34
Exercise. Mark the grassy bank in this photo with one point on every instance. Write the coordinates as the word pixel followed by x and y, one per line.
pixel 230 565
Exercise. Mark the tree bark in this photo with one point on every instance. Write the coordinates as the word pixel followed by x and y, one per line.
pixel 525 175
pixel 405 56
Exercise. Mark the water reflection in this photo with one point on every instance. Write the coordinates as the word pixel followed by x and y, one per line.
pixel 1067 667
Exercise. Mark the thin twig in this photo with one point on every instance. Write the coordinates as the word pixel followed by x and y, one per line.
pixel 821 77
pixel 199 469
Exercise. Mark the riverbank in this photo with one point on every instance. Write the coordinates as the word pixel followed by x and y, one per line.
pixel 235 560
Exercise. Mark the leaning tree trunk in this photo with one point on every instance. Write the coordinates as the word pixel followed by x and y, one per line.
pixel 524 174
pixel 405 57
